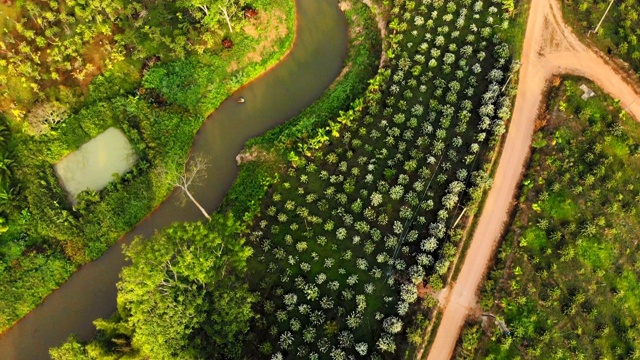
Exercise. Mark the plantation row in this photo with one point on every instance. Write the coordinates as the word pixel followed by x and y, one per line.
pixel 351 229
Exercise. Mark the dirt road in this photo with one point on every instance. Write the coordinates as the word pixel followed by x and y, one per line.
pixel 550 48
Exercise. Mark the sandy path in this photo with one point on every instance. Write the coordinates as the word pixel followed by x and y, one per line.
pixel 550 48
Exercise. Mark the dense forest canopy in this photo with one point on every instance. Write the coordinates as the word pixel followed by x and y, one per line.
pixel 61 44
pixel 134 55
pixel 182 297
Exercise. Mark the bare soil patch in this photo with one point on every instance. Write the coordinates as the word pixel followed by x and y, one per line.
pixel 266 28
pixel 252 154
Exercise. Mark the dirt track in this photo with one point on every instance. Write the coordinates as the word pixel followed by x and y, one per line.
pixel 550 48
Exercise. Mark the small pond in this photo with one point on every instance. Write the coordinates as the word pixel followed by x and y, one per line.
pixel 93 165
pixel 298 80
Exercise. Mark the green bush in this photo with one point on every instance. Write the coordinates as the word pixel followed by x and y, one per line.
pixel 159 115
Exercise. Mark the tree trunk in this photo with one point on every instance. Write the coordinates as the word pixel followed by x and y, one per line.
pixel 226 16
pixel 205 9
pixel 603 16
pixel 204 212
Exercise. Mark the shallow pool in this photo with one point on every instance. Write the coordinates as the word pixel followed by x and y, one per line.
pixel 93 165
pixel 299 79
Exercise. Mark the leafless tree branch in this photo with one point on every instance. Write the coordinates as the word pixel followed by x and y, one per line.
pixel 193 173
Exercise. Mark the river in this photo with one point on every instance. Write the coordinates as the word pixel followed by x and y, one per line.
pixel 315 60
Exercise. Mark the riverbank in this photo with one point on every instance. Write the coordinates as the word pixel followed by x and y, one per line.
pixel 46 238
pixel 257 163
pixel 273 147
pixel 270 99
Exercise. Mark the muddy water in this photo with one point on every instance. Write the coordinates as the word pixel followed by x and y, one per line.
pixel 315 61
pixel 92 166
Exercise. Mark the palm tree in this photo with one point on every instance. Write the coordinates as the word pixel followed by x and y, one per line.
pixel 4 135
pixel 5 168
pixel 8 197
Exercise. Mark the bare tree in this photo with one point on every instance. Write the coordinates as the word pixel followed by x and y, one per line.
pixel 193 173
pixel 45 115
pixel 204 10
pixel 229 7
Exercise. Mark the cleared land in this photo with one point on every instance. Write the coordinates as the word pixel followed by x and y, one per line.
pixel 565 279
pixel 550 49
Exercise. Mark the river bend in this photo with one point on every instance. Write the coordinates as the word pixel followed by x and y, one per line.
pixel 315 60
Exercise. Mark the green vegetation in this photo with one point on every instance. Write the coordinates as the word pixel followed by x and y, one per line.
pixel 8 188
pixel 618 34
pixel 53 49
pixel 115 335
pixel 181 293
pixel 566 278
pixel 44 238
pixel 363 212
pixel 182 297
pixel 279 144
pixel 354 208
